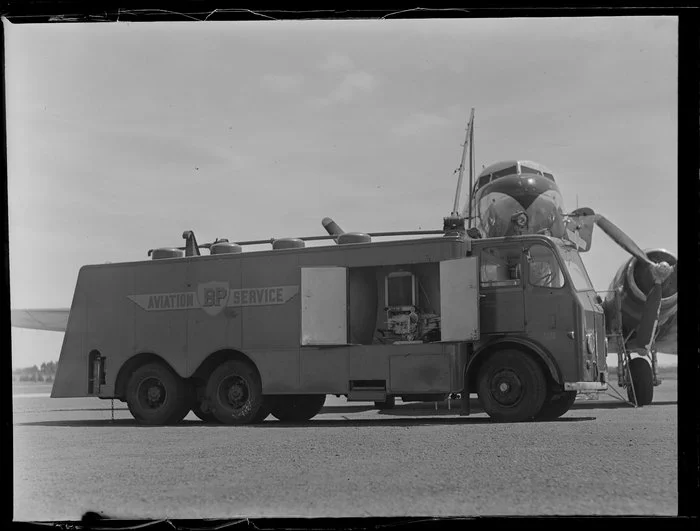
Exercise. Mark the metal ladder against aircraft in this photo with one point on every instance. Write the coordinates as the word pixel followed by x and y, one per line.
pixel 624 355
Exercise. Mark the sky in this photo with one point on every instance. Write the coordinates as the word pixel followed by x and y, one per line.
pixel 120 136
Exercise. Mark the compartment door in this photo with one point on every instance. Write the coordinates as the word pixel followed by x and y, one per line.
pixel 324 306
pixel 459 299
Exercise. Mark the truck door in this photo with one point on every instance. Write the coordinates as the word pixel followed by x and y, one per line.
pixel 501 289
pixel 549 306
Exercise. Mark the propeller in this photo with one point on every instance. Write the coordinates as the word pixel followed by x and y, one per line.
pixel 646 329
pixel 660 273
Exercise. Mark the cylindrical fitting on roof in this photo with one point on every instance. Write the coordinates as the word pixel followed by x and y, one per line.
pixel 288 243
pixel 331 227
pixel 225 248
pixel 354 237
pixel 167 252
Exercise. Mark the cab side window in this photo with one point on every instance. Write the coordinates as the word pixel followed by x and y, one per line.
pixel 543 268
pixel 500 267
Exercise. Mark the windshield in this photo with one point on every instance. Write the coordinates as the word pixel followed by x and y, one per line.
pixel 544 269
pixel 577 271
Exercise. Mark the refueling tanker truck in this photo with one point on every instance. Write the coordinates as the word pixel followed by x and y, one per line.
pixel 235 335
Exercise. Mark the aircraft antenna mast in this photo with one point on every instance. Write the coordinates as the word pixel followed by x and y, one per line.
pixel 455 209
pixel 471 168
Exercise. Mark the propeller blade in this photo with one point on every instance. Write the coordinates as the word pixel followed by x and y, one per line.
pixel 619 237
pixel 646 329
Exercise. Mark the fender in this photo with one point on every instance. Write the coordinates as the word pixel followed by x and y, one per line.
pixel 522 344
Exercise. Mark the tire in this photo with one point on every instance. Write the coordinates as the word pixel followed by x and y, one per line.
pixel 556 404
pixel 156 395
pixel 643 380
pixel 199 404
pixel 296 408
pixel 389 403
pixel 204 413
pixel 234 392
pixel 511 386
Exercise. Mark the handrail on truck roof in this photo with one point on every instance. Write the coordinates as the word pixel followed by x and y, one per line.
pixel 304 238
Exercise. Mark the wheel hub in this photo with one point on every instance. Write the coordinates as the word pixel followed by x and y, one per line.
pixel 235 391
pixel 152 393
pixel 506 387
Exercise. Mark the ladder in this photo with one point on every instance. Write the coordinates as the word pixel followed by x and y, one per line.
pixel 617 339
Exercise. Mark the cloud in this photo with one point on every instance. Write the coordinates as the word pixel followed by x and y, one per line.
pixel 282 82
pixel 351 80
pixel 419 123
pixel 337 63
pixel 352 83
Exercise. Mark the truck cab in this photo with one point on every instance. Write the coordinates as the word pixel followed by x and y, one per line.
pixel 535 292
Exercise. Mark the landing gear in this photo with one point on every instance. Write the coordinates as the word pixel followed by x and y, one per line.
pixel 296 408
pixel 642 382
pixel 156 395
pixel 511 386
pixel 234 391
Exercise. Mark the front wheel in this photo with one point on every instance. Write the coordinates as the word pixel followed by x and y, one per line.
pixel 511 386
pixel 234 392
pixel 556 405
pixel 296 408
pixel 643 381
pixel 156 395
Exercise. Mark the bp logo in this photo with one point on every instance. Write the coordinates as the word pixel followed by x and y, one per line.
pixel 212 297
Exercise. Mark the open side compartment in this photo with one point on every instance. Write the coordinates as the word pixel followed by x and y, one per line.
pixel 396 304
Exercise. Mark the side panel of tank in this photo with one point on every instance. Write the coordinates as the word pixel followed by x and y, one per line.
pixel 72 370
pixel 211 330
pixel 271 326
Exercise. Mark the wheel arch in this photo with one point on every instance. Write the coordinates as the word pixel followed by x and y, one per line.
pixel 213 360
pixel 539 354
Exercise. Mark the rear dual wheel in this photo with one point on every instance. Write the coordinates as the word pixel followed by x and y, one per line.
pixel 156 395
pixel 234 392
pixel 296 408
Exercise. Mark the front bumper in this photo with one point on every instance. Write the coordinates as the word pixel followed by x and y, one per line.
pixel 585 386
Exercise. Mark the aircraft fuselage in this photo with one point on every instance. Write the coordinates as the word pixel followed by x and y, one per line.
pixel 506 190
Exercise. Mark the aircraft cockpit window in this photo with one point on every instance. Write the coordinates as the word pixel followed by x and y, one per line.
pixel 549 176
pixel 544 270
pixel 484 179
pixel 526 169
pixel 513 170
pixel 500 267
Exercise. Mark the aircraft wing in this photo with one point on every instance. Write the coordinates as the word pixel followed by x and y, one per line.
pixel 55 319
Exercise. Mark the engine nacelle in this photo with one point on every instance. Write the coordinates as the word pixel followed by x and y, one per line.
pixel 634 280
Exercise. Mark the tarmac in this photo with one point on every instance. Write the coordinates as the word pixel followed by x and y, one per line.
pixel 603 457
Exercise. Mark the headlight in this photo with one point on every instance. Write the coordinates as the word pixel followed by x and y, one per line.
pixel 590 342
